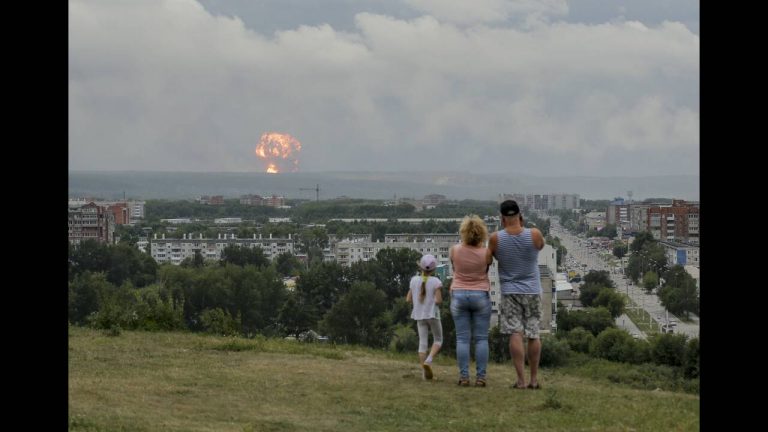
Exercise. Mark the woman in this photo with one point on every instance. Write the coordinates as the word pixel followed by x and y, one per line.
pixel 470 297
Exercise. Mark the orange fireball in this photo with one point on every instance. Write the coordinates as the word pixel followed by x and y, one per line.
pixel 279 151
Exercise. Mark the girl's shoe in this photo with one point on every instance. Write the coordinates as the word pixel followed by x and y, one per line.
pixel 427 371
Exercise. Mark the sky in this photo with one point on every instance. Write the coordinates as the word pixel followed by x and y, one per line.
pixel 536 87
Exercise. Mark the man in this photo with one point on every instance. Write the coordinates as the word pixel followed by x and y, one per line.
pixel 517 251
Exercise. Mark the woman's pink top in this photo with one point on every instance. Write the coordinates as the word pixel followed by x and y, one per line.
pixel 470 272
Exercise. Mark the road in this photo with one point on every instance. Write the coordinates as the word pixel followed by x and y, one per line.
pixel 649 302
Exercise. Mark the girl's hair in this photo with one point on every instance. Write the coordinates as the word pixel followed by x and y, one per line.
pixel 424 277
pixel 473 230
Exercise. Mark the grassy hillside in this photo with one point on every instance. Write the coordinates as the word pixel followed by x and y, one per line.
pixel 141 381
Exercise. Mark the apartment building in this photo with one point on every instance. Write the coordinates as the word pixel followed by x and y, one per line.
pixel 677 222
pixel 543 202
pixel 176 250
pixel 90 221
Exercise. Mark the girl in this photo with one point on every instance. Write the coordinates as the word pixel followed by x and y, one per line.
pixel 425 294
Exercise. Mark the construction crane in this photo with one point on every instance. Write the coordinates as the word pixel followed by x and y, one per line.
pixel 316 189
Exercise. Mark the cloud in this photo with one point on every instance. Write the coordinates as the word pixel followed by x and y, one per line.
pixel 488 11
pixel 168 85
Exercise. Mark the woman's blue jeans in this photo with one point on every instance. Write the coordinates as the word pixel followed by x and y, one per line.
pixel 471 311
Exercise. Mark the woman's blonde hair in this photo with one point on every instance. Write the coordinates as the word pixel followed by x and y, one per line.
pixel 473 230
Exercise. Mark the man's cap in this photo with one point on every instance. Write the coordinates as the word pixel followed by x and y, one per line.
pixel 428 262
pixel 509 208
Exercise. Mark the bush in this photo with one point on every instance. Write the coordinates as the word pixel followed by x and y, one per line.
pixel 691 359
pixel 405 339
pixel 498 345
pixel 219 321
pixel 616 345
pixel 595 320
pixel 579 340
pixel 157 313
pixel 668 349
pixel 554 352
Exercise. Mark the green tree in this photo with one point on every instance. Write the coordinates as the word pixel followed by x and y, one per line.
pixel 640 240
pixel 615 345
pixel 84 293
pixel 400 265
pixel 595 320
pixel 295 316
pixel 619 249
pixel 679 293
pixel 601 278
pixel 322 285
pixel 668 349
pixel 242 256
pixel 354 318
pixel 287 264
pixel 611 300
pixel 650 280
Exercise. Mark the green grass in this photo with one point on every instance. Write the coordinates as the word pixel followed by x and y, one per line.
pixel 640 318
pixel 140 381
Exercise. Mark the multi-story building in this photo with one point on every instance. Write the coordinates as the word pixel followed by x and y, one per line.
pixel 349 251
pixel 121 212
pixel 618 214
pixel 211 200
pixel 274 201
pixel 638 217
pixel 91 221
pixel 137 209
pixel 543 202
pixel 252 200
pixel 176 250
pixel 677 222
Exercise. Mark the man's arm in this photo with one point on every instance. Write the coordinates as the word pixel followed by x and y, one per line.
pixel 491 251
pixel 538 239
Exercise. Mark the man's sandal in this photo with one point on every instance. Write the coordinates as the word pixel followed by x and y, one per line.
pixel 463 382
pixel 480 382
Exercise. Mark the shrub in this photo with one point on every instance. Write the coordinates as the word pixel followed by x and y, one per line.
pixel 404 339
pixel 219 321
pixel 157 313
pixel 554 352
pixel 614 344
pixel 691 359
pixel 579 339
pixel 498 345
pixel 668 349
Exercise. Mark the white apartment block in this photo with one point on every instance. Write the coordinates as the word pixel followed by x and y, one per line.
pixel 543 201
pixel 176 250
pixel 137 209
pixel 349 251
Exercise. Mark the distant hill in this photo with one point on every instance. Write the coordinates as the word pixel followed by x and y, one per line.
pixel 374 185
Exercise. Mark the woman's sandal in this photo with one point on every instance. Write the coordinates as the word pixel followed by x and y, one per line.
pixel 537 386
pixel 480 382
pixel 463 382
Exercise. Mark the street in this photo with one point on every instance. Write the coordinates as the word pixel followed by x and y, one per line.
pixel 650 302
